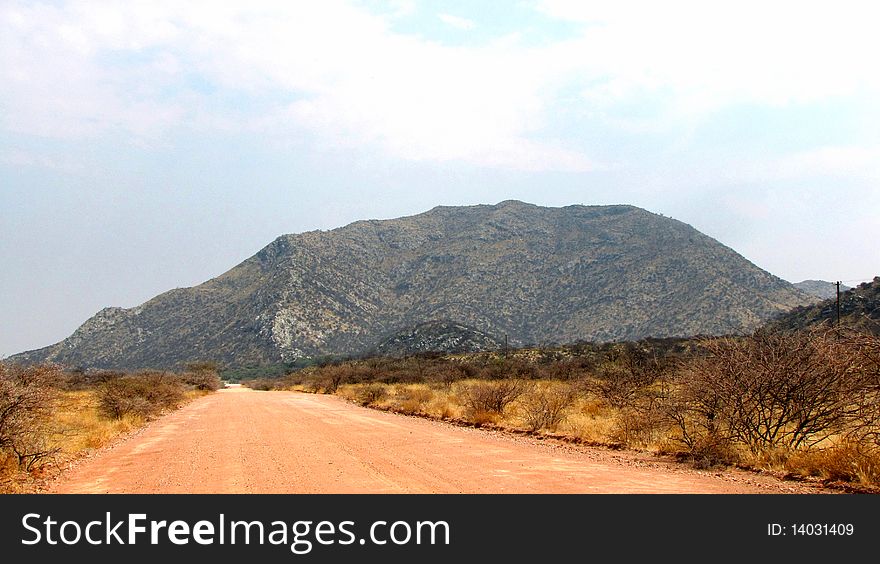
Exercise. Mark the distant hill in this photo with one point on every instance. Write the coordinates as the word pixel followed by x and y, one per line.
pixel 537 274
pixel 859 309
pixel 437 336
pixel 820 288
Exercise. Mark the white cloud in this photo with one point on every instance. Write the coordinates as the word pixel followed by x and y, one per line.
pixel 456 21
pixel 859 162
pixel 340 73
pixel 706 55
pixel 19 158
pixel 352 80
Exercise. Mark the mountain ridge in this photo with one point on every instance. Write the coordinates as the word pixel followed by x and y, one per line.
pixel 537 274
pixel 859 310
pixel 822 289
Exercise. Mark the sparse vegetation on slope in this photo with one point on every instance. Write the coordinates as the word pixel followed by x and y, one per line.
pixel 859 310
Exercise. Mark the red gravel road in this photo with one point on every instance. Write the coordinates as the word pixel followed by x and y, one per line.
pixel 243 441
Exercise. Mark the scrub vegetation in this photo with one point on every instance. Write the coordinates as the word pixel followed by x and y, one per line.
pixel 803 403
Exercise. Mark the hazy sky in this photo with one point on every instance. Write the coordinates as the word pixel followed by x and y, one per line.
pixel 151 145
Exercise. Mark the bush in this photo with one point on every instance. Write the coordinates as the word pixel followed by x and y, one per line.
pixel 27 400
pixel 143 395
pixel 562 370
pixel 261 384
pixel 369 394
pixel 333 377
pixel 546 408
pixel 87 379
pixel 411 399
pixel 492 397
pixel 508 368
pixel 772 393
pixel 621 379
pixel 202 380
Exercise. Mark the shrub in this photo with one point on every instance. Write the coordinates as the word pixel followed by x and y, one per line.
pixel 202 380
pixel 773 395
pixel 508 368
pixel 263 384
pixel 492 397
pixel 142 395
pixel 411 399
pixel 27 400
pixel 545 408
pixel 87 379
pixel 562 370
pixel 480 418
pixel 370 394
pixel 333 377
pixel 620 380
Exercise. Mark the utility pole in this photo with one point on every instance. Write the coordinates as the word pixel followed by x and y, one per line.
pixel 838 302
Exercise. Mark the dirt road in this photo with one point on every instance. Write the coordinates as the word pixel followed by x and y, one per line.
pixel 242 441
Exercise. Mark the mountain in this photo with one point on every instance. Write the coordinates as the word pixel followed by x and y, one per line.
pixel 859 309
pixel 437 336
pixel 536 274
pixel 820 288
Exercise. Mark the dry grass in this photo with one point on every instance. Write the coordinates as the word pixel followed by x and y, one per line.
pixel 590 421
pixel 84 428
pixel 846 461
pixel 583 418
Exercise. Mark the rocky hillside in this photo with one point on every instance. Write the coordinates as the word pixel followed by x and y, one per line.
pixel 537 274
pixel 437 336
pixel 859 309
pixel 820 288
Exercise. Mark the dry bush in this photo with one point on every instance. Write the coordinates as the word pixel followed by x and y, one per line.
pixel 545 407
pixel 28 396
pixel 205 380
pixel 312 383
pixel 568 369
pixel 466 370
pixel 144 394
pixel 623 378
pixel 334 376
pixel 864 353
pixel 769 393
pixel 711 450
pixel 508 369
pixel 446 373
pixel 202 375
pixel 491 397
pixel 260 384
pixel 411 399
pixel 87 379
pixel 480 418
pixel 370 394
pixel 640 425
pixel 415 393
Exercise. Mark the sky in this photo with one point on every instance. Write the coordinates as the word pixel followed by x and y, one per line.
pixel 146 146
